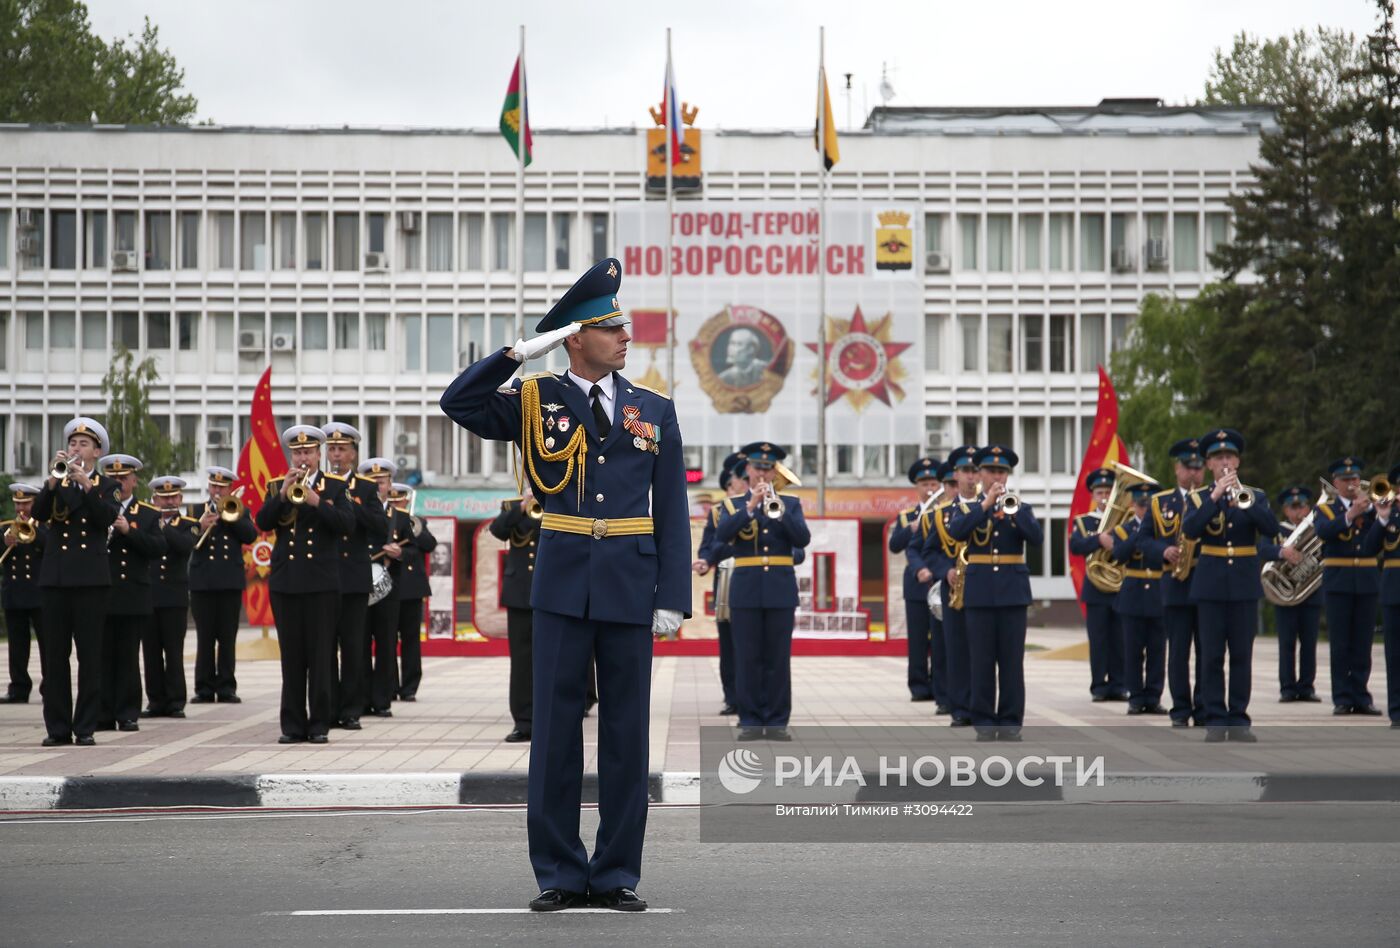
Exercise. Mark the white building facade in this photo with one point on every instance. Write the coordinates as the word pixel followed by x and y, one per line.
pixel 368 266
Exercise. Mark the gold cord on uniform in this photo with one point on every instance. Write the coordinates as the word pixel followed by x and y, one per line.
pixel 532 433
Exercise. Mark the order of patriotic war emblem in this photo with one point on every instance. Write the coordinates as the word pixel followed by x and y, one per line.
pixel 742 356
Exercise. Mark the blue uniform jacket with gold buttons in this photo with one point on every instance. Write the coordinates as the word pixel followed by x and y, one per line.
pixel 992 585
pixel 218 564
pixel 1165 514
pixel 1141 592
pixel 710 551
pixel 76 554
pixel 170 573
pixel 307 550
pixel 940 549
pixel 129 558
pixel 1390 559
pixel 1083 541
pixel 620 578
pixel 908 536
pixel 410 571
pixel 1269 550
pixel 1351 547
pixel 1234 546
pixel 521 533
pixel 756 537
pixel 367 535
pixel 19 577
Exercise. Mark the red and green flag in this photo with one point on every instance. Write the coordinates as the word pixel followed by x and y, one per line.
pixel 515 114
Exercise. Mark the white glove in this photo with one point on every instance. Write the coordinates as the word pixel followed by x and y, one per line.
pixel 665 622
pixel 538 346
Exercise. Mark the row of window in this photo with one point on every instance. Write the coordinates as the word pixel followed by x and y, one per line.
pixel 61 239
pixel 1022 343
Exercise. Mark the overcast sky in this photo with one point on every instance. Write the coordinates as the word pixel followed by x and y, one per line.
pixel 748 64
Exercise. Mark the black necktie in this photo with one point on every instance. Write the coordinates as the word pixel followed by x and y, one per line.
pixel 600 414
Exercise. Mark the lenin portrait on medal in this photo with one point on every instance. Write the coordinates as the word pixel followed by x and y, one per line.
pixel 740 355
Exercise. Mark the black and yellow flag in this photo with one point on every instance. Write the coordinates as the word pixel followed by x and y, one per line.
pixel 824 133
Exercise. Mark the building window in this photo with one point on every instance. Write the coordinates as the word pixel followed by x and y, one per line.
pixel 442 357
pixel 562 223
pixel 1032 343
pixel 970 331
pixel 1121 238
pixel 1061 344
pixel 1061 445
pixel 970 428
pixel 125 237
pixel 1035 558
pixel 376 331
pixel 31 238
pixel 157 330
pixel 1058 547
pixel 999 429
pixel 1186 244
pixel 1217 232
pixel 4 248
pixel 126 331
pixel 1091 242
pixel 347 330
pixel 967 229
pixel 411 342
pixel 223 456
pixel 313 230
pixel 845 459
pixel 189 240
pixel 502 240
pixel 599 225
pixel 1030 445
pixel 935 435
pixel 410 248
pixel 469 240
pixel 187 328
pixel 1031 227
pixel 284 325
pixel 1091 343
pixel 933 342
pixel 157 240
pixel 875 458
pixel 935 233
pixel 34 332
pixel 94 332
pixel 253 255
pixel 224 246
pixel 347 241
pixel 313 331
pixel 63 250
pixel 284 240
pixel 95 238
pixel 535 245
pixel 472 338
pixel 999 246
pixel 223 332
pixel 1061 242
pixel 1155 247
pixel 1000 344
pixel 1122 329
pixel 440 243
pixel 63 330
pixel 374 229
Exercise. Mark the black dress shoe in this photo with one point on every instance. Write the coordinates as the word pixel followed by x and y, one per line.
pixel 553 900
pixel 620 900
pixel 777 734
pixel 1012 734
pixel 728 709
pixel 381 713
pixel 148 713
pixel 230 699
pixel 14 699
pixel 1099 698
pixel 56 741
pixel 408 697
pixel 175 714
pixel 1369 710
pixel 1155 709
pixel 202 699
pixel 1340 709
pixel 1136 709
pixel 921 697
pixel 1119 696
pixel 85 740
pixel 749 734
pixel 941 709
pixel 1176 723
pixel 1314 699
pixel 1287 699
pixel 1243 734
pixel 128 726
pixel 986 734
pixel 960 721
pixel 290 739
pixel 1215 735
pixel 351 724
pixel 518 736
pixel 319 739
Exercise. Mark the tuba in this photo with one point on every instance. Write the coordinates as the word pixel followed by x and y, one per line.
pixel 1099 566
pixel 1288 584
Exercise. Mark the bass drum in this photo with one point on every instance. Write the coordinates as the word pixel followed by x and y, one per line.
pixel 381 582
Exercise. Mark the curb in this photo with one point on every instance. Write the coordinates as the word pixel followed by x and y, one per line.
pixel 323 790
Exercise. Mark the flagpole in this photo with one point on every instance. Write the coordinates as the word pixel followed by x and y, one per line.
pixel 667 107
pixel 821 271
pixel 520 146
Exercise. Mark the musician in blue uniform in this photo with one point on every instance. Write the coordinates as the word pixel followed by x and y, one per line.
pixel 74 579
pixel 217 579
pixel 1230 521
pixel 941 554
pixel 1297 625
pixel 1166 512
pixel 997 592
pixel 1351 585
pixel 1388 525
pixel 19 593
pixel 1139 605
pixel 732 480
pixel 927 659
pixel 410 572
pixel 604 457
pixel 163 648
pixel 382 622
pixel 1106 639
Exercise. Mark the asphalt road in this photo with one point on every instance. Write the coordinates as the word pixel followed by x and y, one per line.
pixel 234 880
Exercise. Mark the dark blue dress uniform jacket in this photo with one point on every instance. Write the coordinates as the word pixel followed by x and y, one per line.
pixel 76 552
pixel 218 564
pixel 1225 528
pixel 621 579
pixel 522 532
pixel 710 550
pixel 1084 540
pixel 129 558
pixel 369 533
pixel 170 573
pixel 940 547
pixel 1355 541
pixel 1390 560
pixel 19 581
pixel 410 571
pixel 908 536
pixel 307 549
pixel 757 534
pixel 1132 546
pixel 1163 522
pixel 987 586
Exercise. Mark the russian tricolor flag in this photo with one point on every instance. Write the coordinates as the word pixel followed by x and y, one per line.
pixel 672 108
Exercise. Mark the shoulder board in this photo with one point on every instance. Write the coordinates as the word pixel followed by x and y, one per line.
pixel 904 518
pixel 1079 521
pixel 728 505
pixel 714 515
pixel 652 390
pixel 276 480
pixel 1327 511
pixel 1196 497
pixel 537 375
pixel 1163 493
pixel 1120 532
pixel 962 505
pixel 332 475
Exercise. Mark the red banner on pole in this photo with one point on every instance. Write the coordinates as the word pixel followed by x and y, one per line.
pixel 1104 448
pixel 260 461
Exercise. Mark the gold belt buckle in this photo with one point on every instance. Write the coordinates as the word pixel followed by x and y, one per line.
pixel 765 561
pixel 600 529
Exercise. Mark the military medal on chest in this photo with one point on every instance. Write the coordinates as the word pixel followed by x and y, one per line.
pixel 645 435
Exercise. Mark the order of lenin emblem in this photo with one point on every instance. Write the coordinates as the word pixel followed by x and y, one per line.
pixel 742 356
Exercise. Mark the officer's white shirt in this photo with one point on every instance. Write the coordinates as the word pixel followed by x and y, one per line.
pixel 607 384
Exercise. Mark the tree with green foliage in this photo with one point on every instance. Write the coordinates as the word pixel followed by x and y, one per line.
pixel 1264 72
pixel 130 426
pixel 53 69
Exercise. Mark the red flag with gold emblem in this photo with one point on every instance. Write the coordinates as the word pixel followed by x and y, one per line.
pixel 1103 449
pixel 260 461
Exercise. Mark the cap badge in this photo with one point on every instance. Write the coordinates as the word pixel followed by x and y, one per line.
pixel 612 271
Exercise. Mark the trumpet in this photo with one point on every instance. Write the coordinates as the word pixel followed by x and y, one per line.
pixel 24 531
pixel 782 477
pixel 534 510
pixel 230 511
pixel 1241 495
pixel 772 506
pixel 297 493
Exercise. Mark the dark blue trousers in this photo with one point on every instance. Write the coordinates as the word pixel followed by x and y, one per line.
pixel 927 662
pixel 1227 627
pixel 1146 643
pixel 1390 622
pixel 1297 648
pixel 1105 650
pixel 1183 635
pixel 1351 631
pixel 726 661
pixel 958 672
pixel 563 649
pixel 763 665
pixel 996 641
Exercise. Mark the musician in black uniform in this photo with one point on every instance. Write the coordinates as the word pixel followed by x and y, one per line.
pixel 19 593
pixel 216 592
pixel 164 645
pixel 135 542
pixel 383 620
pixel 516 526
pixel 367 530
pixel 410 572
pixel 1297 625
pixel 305 583
pixel 74 579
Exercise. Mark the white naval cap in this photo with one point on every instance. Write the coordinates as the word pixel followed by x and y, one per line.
pixel 119 464
pixel 90 427
pixel 300 436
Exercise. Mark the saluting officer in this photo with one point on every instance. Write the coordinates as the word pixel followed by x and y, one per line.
pixel 1351 585
pixel 217 579
pixel 74 578
pixel 708 557
pixel 410 572
pixel 1167 510
pixel 941 554
pixel 515 527
pixel 383 620
pixel 763 593
pixel 164 645
pixel 927 658
pixel 1139 605
pixel 135 543
pixel 369 530
pixel 1107 657
pixel 1388 525
pixel 1225 583
pixel 19 593
pixel 1297 626
pixel 997 594
pixel 305 582
pixel 605 457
